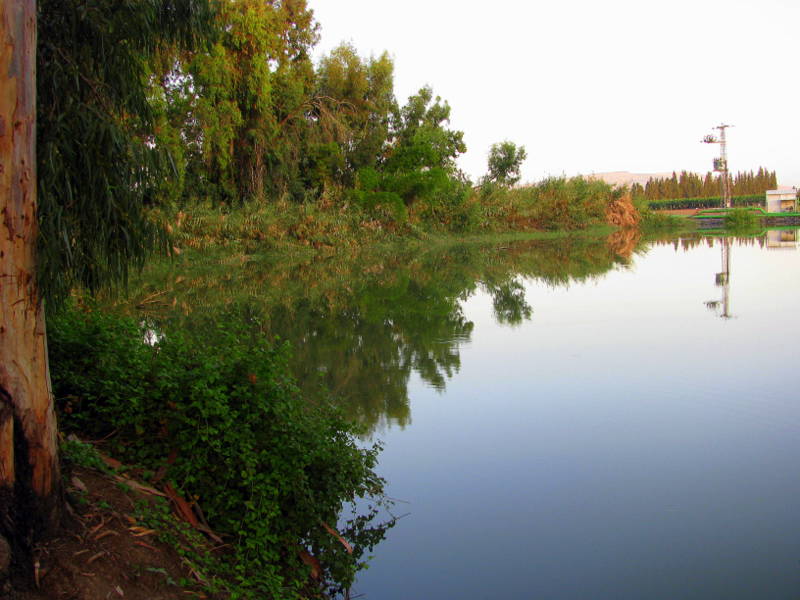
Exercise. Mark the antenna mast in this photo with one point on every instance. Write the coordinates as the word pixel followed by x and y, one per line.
pixel 721 163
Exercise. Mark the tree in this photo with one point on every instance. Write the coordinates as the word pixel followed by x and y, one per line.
pixel 254 91
pixel 505 160
pixel 364 89
pixel 420 138
pixel 76 169
pixel 29 477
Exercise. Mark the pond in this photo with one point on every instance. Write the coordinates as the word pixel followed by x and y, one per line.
pixel 564 419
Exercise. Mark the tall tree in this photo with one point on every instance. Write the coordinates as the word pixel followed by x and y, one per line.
pixel 29 477
pixel 364 90
pixel 254 91
pixel 84 222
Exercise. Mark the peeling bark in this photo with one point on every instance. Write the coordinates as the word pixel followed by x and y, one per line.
pixel 29 480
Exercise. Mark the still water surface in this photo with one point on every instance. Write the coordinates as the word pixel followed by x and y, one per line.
pixel 625 441
pixel 562 420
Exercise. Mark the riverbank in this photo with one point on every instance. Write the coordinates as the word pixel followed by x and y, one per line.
pixel 547 210
pixel 129 400
pixel 118 541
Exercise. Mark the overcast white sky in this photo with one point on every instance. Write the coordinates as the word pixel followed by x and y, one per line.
pixel 595 86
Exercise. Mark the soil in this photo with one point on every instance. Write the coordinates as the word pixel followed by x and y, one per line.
pixel 101 553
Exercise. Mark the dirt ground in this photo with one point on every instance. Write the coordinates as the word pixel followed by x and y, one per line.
pixel 103 554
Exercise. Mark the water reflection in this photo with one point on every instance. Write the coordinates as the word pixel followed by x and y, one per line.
pixel 781 239
pixel 359 328
pixel 772 239
pixel 723 280
pixel 648 447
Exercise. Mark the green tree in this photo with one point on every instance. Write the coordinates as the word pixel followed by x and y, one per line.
pixel 420 137
pixel 363 93
pixel 505 160
pixel 247 115
pixel 79 219
pixel 419 166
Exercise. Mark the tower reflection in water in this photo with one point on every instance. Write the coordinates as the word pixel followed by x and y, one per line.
pixel 774 239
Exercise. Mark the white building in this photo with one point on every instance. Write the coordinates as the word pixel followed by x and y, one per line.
pixel 781 201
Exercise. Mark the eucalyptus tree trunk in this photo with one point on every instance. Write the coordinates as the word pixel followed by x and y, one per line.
pixel 29 479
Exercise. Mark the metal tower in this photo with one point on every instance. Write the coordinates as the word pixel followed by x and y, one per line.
pixel 721 163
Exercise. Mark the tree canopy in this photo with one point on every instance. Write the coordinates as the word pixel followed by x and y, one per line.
pixel 97 165
pixel 693 185
pixel 505 161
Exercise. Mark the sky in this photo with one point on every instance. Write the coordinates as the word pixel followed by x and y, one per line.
pixel 595 86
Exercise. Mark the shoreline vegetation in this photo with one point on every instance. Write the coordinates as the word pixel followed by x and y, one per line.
pixel 186 128
pixel 546 210
pixel 171 417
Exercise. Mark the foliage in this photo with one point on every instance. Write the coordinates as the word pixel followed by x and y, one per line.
pixel 218 576
pixel 505 161
pixel 96 168
pixel 510 306
pixel 418 172
pixel 692 185
pixel 709 202
pixel 741 220
pixel 364 91
pixel 243 106
pixel 572 203
pixel 361 321
pixel 654 221
pixel 553 204
pixel 221 415
pixel 420 138
pixel 75 452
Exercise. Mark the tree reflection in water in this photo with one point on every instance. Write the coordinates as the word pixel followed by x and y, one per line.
pixel 359 327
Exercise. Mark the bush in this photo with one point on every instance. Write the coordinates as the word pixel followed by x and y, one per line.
pixel 712 202
pixel 225 420
pixel 434 196
pixel 556 203
pixel 741 220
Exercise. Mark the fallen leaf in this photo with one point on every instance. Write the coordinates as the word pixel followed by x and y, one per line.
pixel 139 486
pixel 183 508
pixel 97 527
pixel 338 536
pixel 111 462
pixel 143 531
pixel 145 545
pixel 79 485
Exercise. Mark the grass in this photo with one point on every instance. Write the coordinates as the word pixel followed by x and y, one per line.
pixel 716 213
pixel 710 202
pixel 552 206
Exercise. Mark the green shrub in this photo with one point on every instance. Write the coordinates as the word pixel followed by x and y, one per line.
pixel 571 203
pixel 741 220
pixel 653 221
pixel 712 202
pixel 556 203
pixel 221 414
